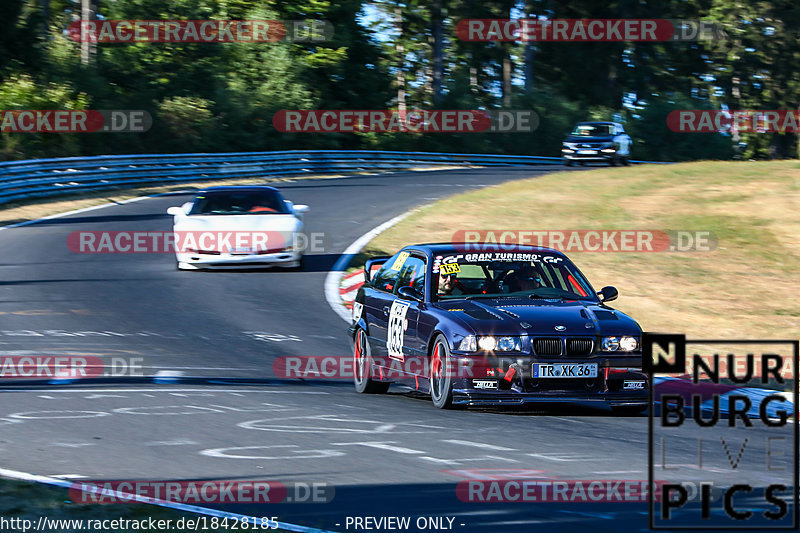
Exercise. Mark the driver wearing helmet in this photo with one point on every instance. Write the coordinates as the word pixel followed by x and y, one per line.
pixel 526 278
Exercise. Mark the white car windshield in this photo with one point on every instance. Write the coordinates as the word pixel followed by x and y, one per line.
pixel 255 202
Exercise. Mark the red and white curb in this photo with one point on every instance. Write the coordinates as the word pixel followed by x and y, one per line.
pixel 349 287
pixel 334 278
pixel 351 282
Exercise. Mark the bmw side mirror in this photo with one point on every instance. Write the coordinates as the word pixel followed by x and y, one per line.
pixel 608 294
pixel 371 263
pixel 409 293
pixel 301 208
pixel 175 211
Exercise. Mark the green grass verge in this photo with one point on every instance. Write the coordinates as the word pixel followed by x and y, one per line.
pixel 745 288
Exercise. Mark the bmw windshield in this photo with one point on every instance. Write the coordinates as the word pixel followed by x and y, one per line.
pixel 500 274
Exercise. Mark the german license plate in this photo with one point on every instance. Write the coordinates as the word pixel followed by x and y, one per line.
pixel 587 152
pixel 564 370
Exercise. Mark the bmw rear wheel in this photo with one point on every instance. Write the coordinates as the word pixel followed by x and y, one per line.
pixel 441 379
pixel 362 367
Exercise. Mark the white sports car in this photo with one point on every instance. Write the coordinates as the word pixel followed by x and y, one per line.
pixel 244 227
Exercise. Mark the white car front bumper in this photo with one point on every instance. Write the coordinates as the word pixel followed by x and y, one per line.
pixel 195 261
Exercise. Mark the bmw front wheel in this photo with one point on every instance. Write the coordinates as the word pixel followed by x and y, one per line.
pixel 441 379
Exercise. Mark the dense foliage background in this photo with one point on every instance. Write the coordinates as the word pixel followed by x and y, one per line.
pixel 221 97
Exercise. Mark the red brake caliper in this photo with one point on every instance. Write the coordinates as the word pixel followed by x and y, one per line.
pixel 436 364
pixel 357 361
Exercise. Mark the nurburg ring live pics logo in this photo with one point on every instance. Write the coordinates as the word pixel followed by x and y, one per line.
pixel 723 433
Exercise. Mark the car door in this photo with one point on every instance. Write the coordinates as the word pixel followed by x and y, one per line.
pixel 403 340
pixel 378 300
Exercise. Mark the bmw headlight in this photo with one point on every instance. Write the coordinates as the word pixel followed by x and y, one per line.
pixel 468 344
pixel 487 343
pixel 620 344
pixel 508 344
pixel 628 344
pixel 490 343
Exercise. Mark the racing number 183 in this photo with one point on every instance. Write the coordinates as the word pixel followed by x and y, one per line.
pixel 397 326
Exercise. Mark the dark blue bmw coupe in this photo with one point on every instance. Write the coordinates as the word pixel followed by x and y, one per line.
pixel 493 326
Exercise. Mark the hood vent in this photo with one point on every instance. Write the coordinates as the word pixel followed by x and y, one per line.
pixel 509 313
pixel 605 315
pixel 481 314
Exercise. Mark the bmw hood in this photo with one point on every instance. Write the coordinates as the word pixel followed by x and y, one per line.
pixel 504 316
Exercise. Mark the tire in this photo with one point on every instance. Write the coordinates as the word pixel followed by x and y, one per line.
pixel 441 381
pixel 362 367
pixel 568 162
pixel 626 161
pixel 628 410
pixel 613 162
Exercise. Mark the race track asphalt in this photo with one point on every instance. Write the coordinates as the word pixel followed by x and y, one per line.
pixel 392 455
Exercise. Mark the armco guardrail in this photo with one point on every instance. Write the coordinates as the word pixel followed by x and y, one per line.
pixel 49 177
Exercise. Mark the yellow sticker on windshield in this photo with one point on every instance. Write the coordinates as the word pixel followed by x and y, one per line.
pixel 398 263
pixel 449 268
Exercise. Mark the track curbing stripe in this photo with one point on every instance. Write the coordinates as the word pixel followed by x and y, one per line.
pixel 334 278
